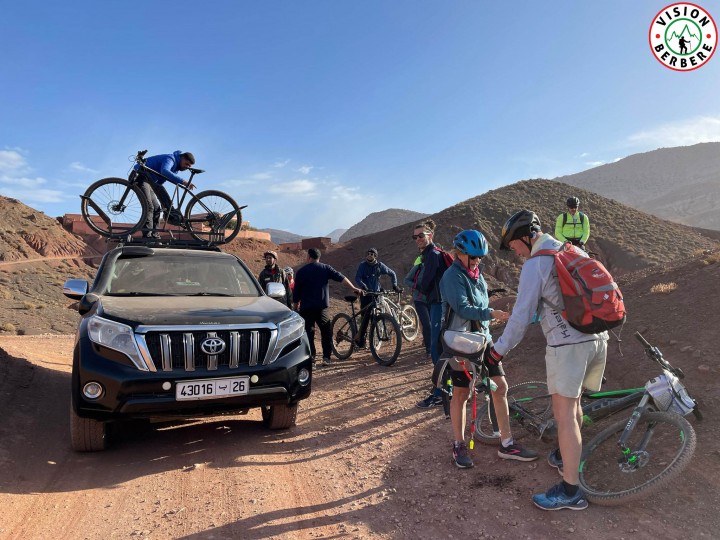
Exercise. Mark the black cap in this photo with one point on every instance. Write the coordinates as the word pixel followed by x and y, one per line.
pixel 314 253
pixel 373 251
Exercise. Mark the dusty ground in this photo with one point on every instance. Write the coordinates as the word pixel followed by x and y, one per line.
pixel 362 462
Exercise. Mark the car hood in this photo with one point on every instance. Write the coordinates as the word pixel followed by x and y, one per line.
pixel 189 310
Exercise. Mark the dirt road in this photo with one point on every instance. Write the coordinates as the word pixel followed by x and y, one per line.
pixel 362 463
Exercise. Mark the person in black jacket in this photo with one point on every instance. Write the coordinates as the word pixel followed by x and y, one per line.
pixel 367 278
pixel 427 283
pixel 311 298
pixel 272 273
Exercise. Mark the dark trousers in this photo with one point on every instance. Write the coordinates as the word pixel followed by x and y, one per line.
pixel 364 301
pixel 423 311
pixel 152 192
pixel 321 317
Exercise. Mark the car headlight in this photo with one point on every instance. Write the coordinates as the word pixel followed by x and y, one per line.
pixel 289 330
pixel 116 336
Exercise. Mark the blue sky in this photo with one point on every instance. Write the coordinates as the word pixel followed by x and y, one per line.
pixel 316 113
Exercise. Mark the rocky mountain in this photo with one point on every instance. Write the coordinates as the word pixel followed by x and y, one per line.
pixel 335 235
pixel 380 221
pixel 624 238
pixel 278 236
pixel 681 184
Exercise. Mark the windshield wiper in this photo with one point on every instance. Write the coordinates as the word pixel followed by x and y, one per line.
pixel 210 294
pixel 137 293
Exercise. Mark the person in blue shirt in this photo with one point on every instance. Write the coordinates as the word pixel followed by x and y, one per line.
pixel 367 278
pixel 165 167
pixel 311 298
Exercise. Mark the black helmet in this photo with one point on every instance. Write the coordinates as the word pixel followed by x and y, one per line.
pixel 520 224
pixel 573 202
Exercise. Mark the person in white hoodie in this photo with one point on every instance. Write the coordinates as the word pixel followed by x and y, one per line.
pixel 573 360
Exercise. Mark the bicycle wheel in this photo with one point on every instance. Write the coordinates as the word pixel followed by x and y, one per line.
pixel 213 215
pixel 343 336
pixel 385 339
pixel 660 447
pixel 409 322
pixel 527 401
pixel 114 207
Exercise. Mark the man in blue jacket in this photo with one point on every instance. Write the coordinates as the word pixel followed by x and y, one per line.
pixel 367 278
pixel 165 167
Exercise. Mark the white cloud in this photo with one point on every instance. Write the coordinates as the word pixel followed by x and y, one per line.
pixel 280 164
pixel 261 176
pixel 294 187
pixel 594 163
pixel 681 133
pixel 616 159
pixel 34 196
pixel 22 181
pixel 584 155
pixel 305 169
pixel 345 194
pixel 77 166
pixel 12 161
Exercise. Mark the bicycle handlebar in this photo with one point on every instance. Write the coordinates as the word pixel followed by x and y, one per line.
pixel 654 354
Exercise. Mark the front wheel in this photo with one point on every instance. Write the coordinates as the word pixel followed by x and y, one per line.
pixel 213 215
pixel 343 336
pixel 528 402
pixel 385 339
pixel 659 448
pixel 409 322
pixel 86 434
pixel 113 207
pixel 279 416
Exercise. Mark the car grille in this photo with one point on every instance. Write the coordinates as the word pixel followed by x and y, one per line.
pixel 184 350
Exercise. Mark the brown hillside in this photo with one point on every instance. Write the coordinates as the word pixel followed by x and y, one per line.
pixel 624 238
pixel 380 221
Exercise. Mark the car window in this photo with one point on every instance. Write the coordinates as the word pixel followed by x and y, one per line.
pixel 180 276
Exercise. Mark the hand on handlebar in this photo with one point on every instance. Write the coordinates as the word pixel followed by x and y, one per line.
pixel 397 289
pixel 500 315
pixel 188 184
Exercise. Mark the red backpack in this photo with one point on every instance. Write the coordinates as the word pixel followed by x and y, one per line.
pixel 593 301
pixel 447 258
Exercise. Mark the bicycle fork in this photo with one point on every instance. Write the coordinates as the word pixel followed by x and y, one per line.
pixel 632 459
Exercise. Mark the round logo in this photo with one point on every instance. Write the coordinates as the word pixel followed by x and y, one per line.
pixel 683 36
pixel 212 345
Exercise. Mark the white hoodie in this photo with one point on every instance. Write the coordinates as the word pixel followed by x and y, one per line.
pixel 538 291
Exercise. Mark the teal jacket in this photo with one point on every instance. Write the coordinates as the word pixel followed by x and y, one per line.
pixel 466 297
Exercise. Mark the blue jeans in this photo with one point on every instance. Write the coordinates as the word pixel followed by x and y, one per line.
pixel 431 320
pixel 423 311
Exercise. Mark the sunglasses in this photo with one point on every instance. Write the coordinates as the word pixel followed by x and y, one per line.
pixel 474 258
pixel 421 235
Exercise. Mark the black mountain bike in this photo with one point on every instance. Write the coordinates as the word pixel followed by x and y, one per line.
pixel 383 331
pixel 116 208
pixel 629 459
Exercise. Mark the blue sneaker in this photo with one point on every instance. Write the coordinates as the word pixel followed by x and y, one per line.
pixel 460 456
pixel 555 498
pixel 553 461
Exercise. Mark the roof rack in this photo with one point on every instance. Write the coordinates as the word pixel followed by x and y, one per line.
pixel 174 243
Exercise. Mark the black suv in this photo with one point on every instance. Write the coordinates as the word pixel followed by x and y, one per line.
pixel 174 333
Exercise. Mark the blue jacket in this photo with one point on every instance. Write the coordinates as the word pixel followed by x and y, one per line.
pixel 311 285
pixel 467 297
pixel 368 275
pixel 165 164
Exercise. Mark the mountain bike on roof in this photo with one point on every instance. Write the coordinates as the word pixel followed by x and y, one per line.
pixel 117 208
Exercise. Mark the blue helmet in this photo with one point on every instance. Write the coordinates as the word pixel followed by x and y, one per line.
pixel 471 243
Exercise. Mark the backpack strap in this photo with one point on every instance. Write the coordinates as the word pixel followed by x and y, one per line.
pixel 550 252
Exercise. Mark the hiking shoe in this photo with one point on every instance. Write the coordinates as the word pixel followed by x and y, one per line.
pixel 429 402
pixel 555 498
pixel 326 362
pixel 359 344
pixel 517 452
pixel 154 235
pixel 554 461
pixel 461 457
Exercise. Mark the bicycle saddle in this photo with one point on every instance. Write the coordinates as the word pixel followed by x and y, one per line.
pixel 195 171
pixel 350 298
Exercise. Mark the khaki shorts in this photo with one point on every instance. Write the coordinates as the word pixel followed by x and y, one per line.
pixel 571 368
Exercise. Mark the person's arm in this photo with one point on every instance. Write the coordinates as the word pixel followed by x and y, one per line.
pixel 165 170
pixel 586 229
pixel 559 228
pixel 410 277
pixel 384 269
pixel 526 305
pixel 349 283
pixel 359 276
pixel 288 290
pixel 453 290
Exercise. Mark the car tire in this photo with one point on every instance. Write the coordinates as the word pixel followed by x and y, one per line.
pixel 279 416
pixel 86 434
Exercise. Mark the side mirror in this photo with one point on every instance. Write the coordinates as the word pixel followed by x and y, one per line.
pixel 75 289
pixel 275 290
pixel 86 303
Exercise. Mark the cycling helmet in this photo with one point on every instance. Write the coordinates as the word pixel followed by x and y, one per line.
pixel 520 224
pixel 573 202
pixel 471 243
pixel 288 270
pixel 271 254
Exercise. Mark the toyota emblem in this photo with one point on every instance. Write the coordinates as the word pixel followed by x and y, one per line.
pixel 212 345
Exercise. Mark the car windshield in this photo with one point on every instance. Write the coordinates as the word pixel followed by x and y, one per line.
pixel 179 275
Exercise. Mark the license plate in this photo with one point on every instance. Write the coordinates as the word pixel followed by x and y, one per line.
pixel 211 388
